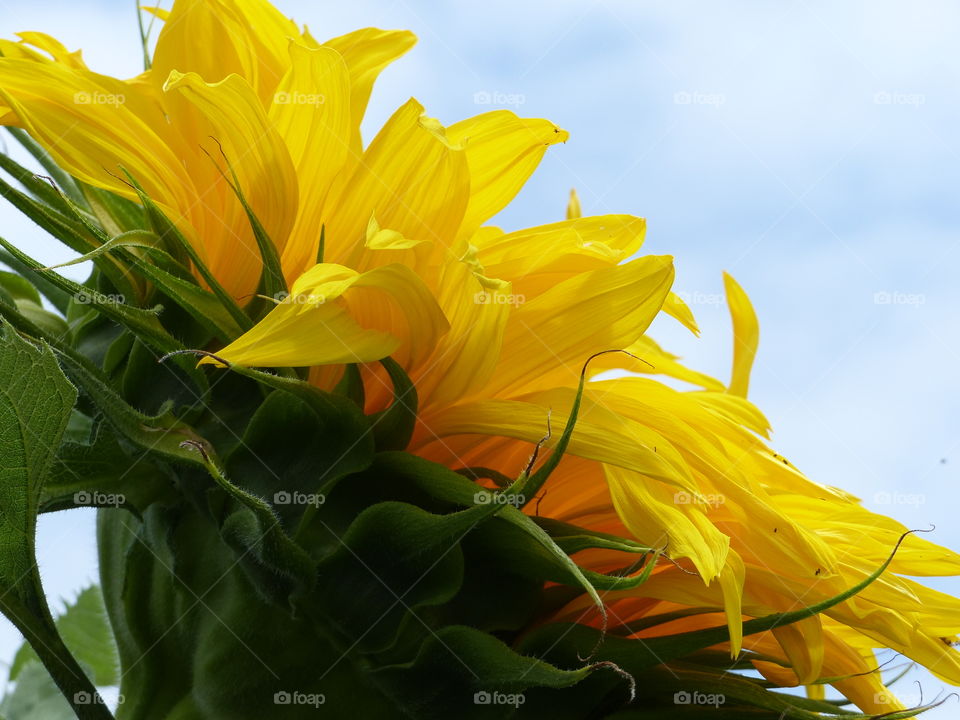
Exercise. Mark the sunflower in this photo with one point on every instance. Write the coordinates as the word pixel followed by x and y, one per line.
pixel 387 251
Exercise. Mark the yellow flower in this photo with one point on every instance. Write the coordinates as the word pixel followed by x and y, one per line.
pixel 492 326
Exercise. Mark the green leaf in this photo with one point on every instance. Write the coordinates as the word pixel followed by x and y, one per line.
pixel 638 657
pixel 35 697
pixel 65 182
pixel 393 559
pixel 507 539
pixel 459 669
pixel 179 246
pixel 531 484
pixel 19 288
pixel 102 474
pixel 144 323
pixel 66 229
pixel 86 631
pixel 394 426
pixel 116 214
pixel 279 568
pixel 132 238
pixel 52 325
pixel 205 307
pixel 162 433
pixel 35 405
pixel 289 450
pixel 43 191
pixel 57 297
pixel 351 385
pixel 272 281
pixel 445 484
pixel 572 538
pixel 26 300
pixel 78 232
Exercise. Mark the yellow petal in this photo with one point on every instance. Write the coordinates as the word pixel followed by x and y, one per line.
pixel 655 361
pixel 536 259
pixel 384 239
pixel 217 38
pixel 803 643
pixel 55 48
pixel 467 356
pixel 746 335
pixel 411 178
pixel 676 308
pixel 551 336
pixel 158 12
pixel 232 126
pixel 502 150
pixel 92 129
pixel 654 515
pixel 311 111
pixel 367 52
pixel 336 315
pixel 573 206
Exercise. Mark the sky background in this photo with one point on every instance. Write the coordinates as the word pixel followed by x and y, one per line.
pixel 809 148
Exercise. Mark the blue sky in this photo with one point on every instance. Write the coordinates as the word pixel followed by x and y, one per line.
pixel 809 148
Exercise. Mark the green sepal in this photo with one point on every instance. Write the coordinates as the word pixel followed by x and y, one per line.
pixel 393 428
pixel 64 181
pixel 180 247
